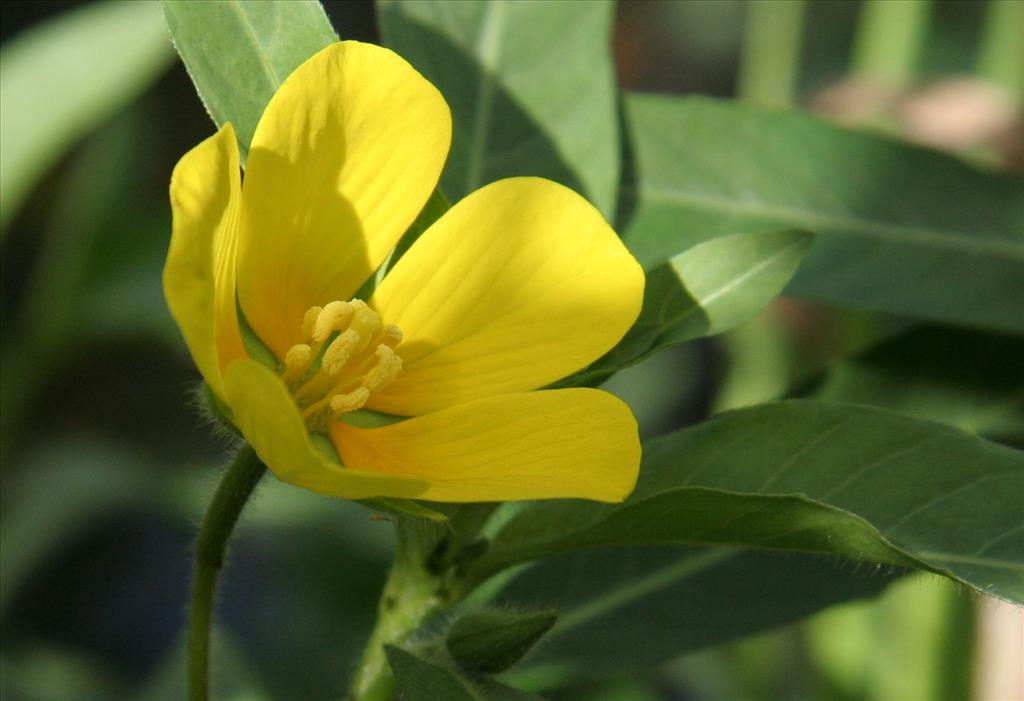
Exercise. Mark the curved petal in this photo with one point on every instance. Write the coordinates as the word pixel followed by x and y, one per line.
pixel 267 417
pixel 199 275
pixel 533 445
pixel 343 159
pixel 516 286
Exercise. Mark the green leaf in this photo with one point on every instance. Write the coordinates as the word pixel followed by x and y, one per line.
pixel 971 380
pixel 64 77
pixel 629 609
pixel 901 229
pixel 864 483
pixel 239 53
pixel 429 680
pixel 710 288
pixel 493 641
pixel 531 86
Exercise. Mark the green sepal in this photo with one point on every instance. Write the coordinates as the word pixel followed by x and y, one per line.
pixel 254 347
pixel 216 411
pixel 493 641
pixel 403 507
pixel 367 418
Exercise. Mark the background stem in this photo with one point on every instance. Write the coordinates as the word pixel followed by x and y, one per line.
pixel 769 70
pixel 232 493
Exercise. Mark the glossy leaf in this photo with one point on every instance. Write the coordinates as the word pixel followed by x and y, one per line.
pixel 64 77
pixel 628 609
pixel 860 482
pixel 901 229
pixel 531 86
pixel 238 53
pixel 710 288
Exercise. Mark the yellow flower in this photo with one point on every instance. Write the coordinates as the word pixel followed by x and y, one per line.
pixel 518 285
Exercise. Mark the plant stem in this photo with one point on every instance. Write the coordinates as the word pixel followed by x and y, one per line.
pixel 234 490
pixel 889 39
pixel 1001 55
pixel 770 60
pixel 411 595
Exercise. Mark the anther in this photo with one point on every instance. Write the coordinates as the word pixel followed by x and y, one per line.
pixel 388 366
pixel 296 360
pixel 391 336
pixel 334 317
pixel 309 320
pixel 344 403
pixel 339 352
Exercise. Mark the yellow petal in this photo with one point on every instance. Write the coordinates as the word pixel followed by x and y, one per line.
pixel 345 155
pixel 532 445
pixel 518 285
pixel 199 276
pixel 267 417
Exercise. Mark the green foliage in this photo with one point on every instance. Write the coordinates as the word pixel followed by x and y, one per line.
pixel 504 68
pixel 974 381
pixel 628 609
pixel 868 484
pixel 239 53
pixel 900 229
pixel 430 680
pixel 710 288
pixel 50 99
pixel 493 641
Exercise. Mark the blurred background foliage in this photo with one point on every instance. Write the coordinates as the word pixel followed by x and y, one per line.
pixel 106 469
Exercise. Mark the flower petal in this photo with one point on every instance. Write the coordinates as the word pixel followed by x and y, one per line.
pixel 343 159
pixel 516 286
pixel 199 275
pixel 267 417
pixel 532 445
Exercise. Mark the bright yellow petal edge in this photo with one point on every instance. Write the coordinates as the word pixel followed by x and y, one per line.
pixel 519 284
pixel 198 277
pixel 266 415
pixel 344 157
pixel 567 443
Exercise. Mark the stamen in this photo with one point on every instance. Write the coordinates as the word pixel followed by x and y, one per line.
pixel 366 322
pixel 334 317
pixel 386 369
pixel 339 352
pixel 296 361
pixel 328 382
pixel 344 403
pixel 309 319
pixel 391 336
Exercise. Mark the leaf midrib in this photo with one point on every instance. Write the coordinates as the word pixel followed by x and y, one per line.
pixel 834 225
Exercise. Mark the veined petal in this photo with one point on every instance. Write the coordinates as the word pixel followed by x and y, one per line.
pixel 516 286
pixel 268 418
pixel 199 275
pixel 343 159
pixel 533 445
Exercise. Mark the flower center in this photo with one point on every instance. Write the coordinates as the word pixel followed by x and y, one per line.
pixel 349 354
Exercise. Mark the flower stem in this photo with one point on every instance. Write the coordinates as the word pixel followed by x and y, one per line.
pixel 411 595
pixel 234 490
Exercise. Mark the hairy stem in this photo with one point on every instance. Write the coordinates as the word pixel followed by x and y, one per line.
pixel 234 490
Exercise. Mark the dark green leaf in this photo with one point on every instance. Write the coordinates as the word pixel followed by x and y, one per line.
pixel 902 230
pixel 493 641
pixel 238 53
pixel 865 483
pixel 971 380
pixel 430 680
pixel 710 288
pixel 531 86
pixel 627 609
pixel 65 77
